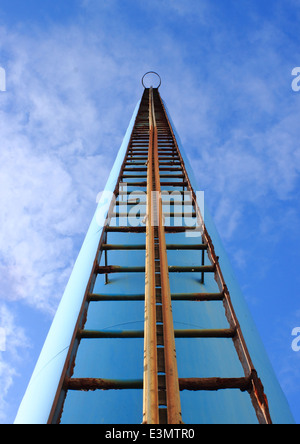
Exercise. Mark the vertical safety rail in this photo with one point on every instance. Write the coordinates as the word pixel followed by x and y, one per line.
pixel 150 395
pixel 161 384
pixel 172 383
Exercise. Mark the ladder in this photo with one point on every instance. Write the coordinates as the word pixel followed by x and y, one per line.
pixel 153 168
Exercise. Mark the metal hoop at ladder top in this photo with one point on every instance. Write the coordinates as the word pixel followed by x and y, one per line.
pixel 151 72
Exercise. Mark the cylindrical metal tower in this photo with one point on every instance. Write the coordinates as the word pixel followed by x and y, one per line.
pixel 153 326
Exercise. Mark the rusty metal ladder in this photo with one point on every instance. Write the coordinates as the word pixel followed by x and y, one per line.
pixel 161 384
pixel 153 150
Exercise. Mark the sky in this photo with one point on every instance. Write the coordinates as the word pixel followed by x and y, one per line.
pixel 73 71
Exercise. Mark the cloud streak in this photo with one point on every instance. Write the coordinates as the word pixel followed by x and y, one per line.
pixel 16 344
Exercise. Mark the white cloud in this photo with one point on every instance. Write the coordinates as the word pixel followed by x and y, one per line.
pixel 50 171
pixel 37 194
pixel 227 218
pixel 7 375
pixel 16 344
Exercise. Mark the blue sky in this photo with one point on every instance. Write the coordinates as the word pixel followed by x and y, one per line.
pixel 73 73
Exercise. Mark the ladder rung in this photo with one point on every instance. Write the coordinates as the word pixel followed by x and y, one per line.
pixel 198 269
pixel 136 169
pixel 162 176
pixel 117 269
pixel 187 247
pixel 142 151
pixel 215 384
pixel 128 203
pixel 170 169
pixel 197 297
pixel 131 334
pixel 137 154
pixel 143 229
pixel 142 214
pixel 212 333
pixel 107 269
pixel 108 247
pixel 109 334
pixel 172 158
pixel 163 184
pixel 182 229
pixel 110 229
pixel 131 163
pixel 179 214
pixel 118 298
pixel 142 247
pixel 166 176
pixel 174 162
pixel 135 184
pixel 177 192
pixel 190 384
pixel 138 149
pixel 132 194
pixel 92 384
pixel 176 202
pixel 133 176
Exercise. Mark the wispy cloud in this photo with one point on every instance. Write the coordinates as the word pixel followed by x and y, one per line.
pixel 50 169
pixel 16 344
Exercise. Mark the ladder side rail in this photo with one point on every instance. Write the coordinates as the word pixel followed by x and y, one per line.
pixel 150 394
pixel 172 381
